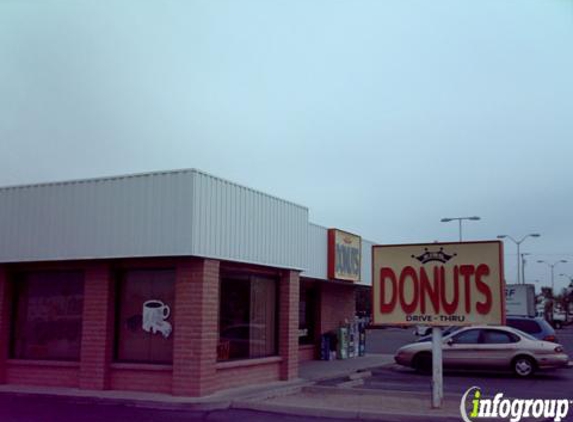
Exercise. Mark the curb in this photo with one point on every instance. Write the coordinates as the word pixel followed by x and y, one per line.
pixel 127 402
pixel 349 372
pixel 200 405
pixel 320 389
pixel 293 410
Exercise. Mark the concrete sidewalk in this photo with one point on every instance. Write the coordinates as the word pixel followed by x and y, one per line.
pixel 220 400
pixel 310 372
pixel 318 370
pixel 344 399
pixel 297 397
pixel 360 404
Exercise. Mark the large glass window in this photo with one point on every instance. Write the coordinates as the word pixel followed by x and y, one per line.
pixel 144 323
pixel 307 314
pixel 47 323
pixel 247 317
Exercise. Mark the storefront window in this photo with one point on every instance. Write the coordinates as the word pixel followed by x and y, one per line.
pixel 248 318
pixel 145 327
pixel 47 323
pixel 307 314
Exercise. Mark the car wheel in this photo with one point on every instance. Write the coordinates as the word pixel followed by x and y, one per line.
pixel 423 363
pixel 523 366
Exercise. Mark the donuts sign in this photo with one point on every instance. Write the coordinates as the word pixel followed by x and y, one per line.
pixel 438 284
pixel 344 255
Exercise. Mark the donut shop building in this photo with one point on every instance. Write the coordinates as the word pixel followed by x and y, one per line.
pixel 171 282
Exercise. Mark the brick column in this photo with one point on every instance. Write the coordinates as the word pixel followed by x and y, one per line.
pixel 97 329
pixel 288 324
pixel 4 322
pixel 195 327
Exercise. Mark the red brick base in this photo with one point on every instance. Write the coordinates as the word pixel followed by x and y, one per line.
pixel 306 353
pixel 337 303
pixel 97 329
pixel 288 324
pixel 138 378
pixel 194 372
pixel 196 316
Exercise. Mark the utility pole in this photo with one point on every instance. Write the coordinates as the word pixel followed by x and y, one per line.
pixel 518 243
pixel 523 262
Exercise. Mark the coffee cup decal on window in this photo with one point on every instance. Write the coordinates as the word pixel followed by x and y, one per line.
pixel 155 313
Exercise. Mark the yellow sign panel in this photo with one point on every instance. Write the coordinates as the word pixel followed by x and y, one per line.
pixel 438 284
pixel 344 255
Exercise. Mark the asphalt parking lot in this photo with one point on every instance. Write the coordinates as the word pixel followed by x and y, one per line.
pixel 554 384
pixel 388 340
pixel 549 384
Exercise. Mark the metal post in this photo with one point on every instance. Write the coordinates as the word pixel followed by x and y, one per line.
pixel 460 220
pixel 437 373
pixel 552 281
pixel 552 296
pixel 523 268
pixel 518 266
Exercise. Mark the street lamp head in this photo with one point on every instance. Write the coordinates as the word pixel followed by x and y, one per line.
pixel 563 260
pixel 535 235
pixel 501 236
pixel 541 262
pixel 445 220
pixel 475 218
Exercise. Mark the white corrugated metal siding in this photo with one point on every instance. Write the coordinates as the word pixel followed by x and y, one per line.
pixel 240 224
pixel 317 256
pixel 140 215
pixel 174 213
pixel 366 270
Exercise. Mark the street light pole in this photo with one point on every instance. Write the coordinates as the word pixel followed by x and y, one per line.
pixel 523 261
pixel 459 219
pixel 552 266
pixel 518 243
pixel 518 264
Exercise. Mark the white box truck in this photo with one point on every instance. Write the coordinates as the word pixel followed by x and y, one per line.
pixel 520 299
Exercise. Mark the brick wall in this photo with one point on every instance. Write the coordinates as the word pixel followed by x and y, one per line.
pixel 138 378
pixel 306 353
pixel 97 328
pixel 43 374
pixel 337 302
pixel 289 286
pixel 196 316
pixel 245 375
pixel 194 372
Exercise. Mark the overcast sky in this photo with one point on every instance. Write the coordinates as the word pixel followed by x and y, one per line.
pixel 380 116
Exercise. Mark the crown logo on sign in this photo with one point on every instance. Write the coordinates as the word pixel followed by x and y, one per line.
pixel 439 256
